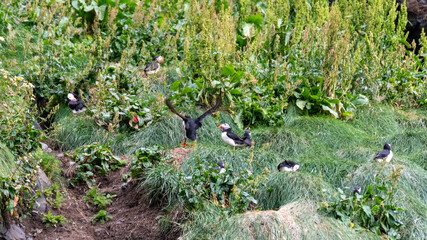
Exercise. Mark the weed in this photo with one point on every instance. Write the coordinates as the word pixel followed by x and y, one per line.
pixel 92 159
pixel 102 216
pixel 57 201
pixel 52 220
pixel 99 200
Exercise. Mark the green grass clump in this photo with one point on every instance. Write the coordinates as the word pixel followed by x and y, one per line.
pixel 49 164
pixel 296 220
pixel 282 188
pixel 7 161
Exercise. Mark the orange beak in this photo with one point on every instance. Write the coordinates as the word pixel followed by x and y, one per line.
pixel 220 127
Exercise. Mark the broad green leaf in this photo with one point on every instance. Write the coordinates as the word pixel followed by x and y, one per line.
pixel 301 104
pixel 326 108
pixel 366 209
pixel 227 70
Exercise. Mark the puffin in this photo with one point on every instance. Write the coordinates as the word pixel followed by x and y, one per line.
pixel 220 168
pixel 75 103
pixel 356 190
pixel 247 138
pixel 233 139
pixel 386 154
pixel 154 66
pixel 192 124
pixel 288 166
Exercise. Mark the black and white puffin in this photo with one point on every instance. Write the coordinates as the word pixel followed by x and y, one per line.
pixel 288 166
pixel 386 154
pixel 154 66
pixel 247 138
pixel 75 103
pixel 356 190
pixel 220 168
pixel 192 124
pixel 233 139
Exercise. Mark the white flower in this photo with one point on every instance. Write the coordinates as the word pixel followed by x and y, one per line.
pixel 2 39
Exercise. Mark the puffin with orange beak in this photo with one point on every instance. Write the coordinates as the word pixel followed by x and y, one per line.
pixel 233 139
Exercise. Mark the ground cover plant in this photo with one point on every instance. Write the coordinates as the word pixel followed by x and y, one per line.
pixel 321 83
pixel 91 160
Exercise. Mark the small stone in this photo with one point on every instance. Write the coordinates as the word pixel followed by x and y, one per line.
pixel 45 147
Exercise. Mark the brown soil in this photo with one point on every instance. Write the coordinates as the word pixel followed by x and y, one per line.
pixel 179 155
pixel 133 217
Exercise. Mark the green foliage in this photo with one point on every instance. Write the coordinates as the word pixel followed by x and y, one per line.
pixel 119 102
pixel 16 191
pixel 145 158
pixel 99 199
pixel 232 190
pixel 53 220
pixel 102 216
pixel 16 130
pixel 49 164
pixel 93 159
pixel 58 199
pixel 373 210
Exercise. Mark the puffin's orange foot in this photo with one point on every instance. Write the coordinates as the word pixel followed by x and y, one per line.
pixel 184 144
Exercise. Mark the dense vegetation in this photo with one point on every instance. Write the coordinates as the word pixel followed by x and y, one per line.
pixel 324 85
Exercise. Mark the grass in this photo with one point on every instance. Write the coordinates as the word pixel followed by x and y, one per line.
pixel 332 154
pixel 7 161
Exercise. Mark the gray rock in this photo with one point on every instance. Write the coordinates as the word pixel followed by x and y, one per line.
pixel 42 181
pixel 15 232
pixel 45 148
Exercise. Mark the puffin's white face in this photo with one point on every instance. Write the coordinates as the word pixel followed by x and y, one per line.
pixel 295 168
pixel 71 97
pixel 224 126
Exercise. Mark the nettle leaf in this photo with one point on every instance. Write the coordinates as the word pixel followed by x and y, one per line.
pixel 256 20
pixel 360 100
pixel 326 108
pixel 175 85
pixel 227 70
pixel 301 104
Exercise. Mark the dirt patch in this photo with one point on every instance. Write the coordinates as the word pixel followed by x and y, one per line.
pixel 133 217
pixel 179 155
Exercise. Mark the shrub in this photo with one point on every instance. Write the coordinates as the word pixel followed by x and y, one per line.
pixel 145 158
pixel 231 190
pixel 93 159
pixel 16 191
pixel 373 210
pixel 16 129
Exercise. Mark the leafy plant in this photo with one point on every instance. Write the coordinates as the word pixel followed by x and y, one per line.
pixel 373 210
pixel 102 216
pixel 52 220
pixel 49 164
pixel 99 200
pixel 16 191
pixel 119 103
pixel 16 130
pixel 57 201
pixel 93 159
pixel 145 158
pixel 233 191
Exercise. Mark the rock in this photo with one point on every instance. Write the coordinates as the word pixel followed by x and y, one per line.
pixel 45 147
pixel 42 181
pixel 41 204
pixel 14 233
